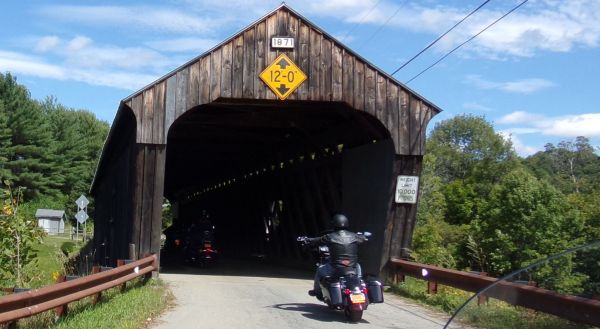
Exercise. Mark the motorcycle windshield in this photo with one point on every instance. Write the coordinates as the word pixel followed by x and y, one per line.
pixel 561 291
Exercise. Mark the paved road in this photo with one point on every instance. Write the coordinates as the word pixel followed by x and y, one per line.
pixel 250 295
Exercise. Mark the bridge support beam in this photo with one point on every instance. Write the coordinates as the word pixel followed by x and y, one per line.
pixel 148 198
pixel 401 217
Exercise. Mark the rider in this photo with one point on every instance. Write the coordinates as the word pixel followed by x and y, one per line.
pixel 343 249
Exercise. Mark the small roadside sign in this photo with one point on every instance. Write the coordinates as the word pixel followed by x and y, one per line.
pixel 81 216
pixel 283 76
pixel 407 188
pixel 82 202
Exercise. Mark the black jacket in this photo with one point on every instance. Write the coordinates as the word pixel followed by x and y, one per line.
pixel 343 247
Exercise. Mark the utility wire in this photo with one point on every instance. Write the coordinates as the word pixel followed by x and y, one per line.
pixel 471 38
pixel 441 36
pixel 360 21
pixel 380 27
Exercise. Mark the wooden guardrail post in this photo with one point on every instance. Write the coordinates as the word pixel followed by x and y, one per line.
pixel 149 275
pixel 482 299
pixel 98 269
pixel 121 262
pixel 432 287
pixel 98 296
pixel 61 310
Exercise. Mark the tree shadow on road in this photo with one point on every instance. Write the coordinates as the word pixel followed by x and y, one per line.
pixel 315 312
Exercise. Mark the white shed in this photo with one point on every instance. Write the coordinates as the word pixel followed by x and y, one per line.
pixel 52 221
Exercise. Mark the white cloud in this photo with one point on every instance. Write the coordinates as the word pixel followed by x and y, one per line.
pixel 545 25
pixel 574 125
pixel 354 11
pixel 570 126
pixel 152 18
pixel 519 147
pixel 524 86
pixel 47 43
pixel 78 43
pixel 198 45
pixel 80 52
pixel 116 79
pixel 238 8
pixel 472 106
pixel 524 130
pixel 520 117
pixel 104 76
pixel 18 63
pixel 586 124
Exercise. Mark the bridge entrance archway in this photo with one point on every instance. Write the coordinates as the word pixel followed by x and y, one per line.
pixel 267 172
pixel 212 135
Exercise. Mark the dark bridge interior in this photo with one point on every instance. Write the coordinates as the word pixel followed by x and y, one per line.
pixel 267 172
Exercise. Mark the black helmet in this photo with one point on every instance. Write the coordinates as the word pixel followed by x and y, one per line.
pixel 339 221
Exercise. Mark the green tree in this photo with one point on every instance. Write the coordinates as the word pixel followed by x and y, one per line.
pixel 525 220
pixel 18 234
pixel 78 137
pixel 571 166
pixel 588 206
pixel 5 144
pixel 432 241
pixel 30 160
pixel 467 148
pixel 470 157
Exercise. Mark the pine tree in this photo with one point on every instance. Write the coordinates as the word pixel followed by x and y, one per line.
pixel 29 157
pixel 5 143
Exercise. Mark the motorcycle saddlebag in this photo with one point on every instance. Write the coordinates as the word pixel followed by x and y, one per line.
pixel 335 293
pixel 375 291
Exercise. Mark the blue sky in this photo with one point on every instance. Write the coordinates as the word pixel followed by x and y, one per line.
pixel 535 75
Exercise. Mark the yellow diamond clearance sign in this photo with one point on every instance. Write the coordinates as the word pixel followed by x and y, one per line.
pixel 283 76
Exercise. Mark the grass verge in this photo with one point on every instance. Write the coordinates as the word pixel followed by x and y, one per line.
pixel 51 255
pixel 493 315
pixel 135 308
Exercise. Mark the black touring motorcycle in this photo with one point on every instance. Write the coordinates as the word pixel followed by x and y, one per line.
pixel 347 291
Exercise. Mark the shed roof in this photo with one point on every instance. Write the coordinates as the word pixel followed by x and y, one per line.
pixel 49 213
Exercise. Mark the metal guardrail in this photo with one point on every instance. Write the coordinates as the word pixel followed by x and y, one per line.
pixel 577 309
pixel 28 303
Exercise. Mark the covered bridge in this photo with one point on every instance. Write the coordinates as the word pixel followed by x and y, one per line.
pixel 271 146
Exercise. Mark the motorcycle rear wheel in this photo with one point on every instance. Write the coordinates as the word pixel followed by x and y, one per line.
pixel 353 316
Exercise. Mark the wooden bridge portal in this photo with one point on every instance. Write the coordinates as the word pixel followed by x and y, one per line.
pixel 228 133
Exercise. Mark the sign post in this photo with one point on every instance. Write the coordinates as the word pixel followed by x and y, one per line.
pixel 81 215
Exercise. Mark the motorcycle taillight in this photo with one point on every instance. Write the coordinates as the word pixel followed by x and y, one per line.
pixel 347 291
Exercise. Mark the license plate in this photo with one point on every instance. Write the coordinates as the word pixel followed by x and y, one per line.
pixel 357 298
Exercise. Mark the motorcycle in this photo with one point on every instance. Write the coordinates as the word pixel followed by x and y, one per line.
pixel 202 251
pixel 347 290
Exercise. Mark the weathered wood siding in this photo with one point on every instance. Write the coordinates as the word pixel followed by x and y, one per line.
pixel 232 70
pixel 129 184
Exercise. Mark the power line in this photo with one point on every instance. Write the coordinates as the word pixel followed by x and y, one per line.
pixel 380 27
pixel 360 21
pixel 471 38
pixel 441 36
